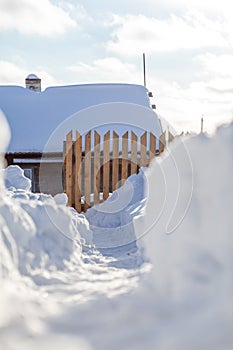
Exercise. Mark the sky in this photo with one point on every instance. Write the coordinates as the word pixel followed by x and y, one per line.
pixel 188 47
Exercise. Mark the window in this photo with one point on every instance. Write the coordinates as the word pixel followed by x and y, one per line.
pixel 29 173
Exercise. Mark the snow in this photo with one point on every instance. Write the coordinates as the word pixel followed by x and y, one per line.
pixel 4 137
pixel 33 118
pixel 68 280
pixel 105 117
pixel 14 177
pixel 61 198
pixel 32 76
pixel 112 220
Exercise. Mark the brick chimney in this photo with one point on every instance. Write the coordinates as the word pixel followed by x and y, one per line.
pixel 33 82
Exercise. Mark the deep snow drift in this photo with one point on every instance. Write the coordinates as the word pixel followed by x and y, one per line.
pixel 58 289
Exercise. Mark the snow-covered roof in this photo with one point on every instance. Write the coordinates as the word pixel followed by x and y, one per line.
pixel 33 118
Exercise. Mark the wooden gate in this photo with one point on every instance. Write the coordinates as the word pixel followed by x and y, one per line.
pixel 95 165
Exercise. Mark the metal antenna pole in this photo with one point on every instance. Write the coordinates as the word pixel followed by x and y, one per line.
pixel 202 124
pixel 144 68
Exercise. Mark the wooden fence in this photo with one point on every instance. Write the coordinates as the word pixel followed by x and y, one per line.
pixel 95 165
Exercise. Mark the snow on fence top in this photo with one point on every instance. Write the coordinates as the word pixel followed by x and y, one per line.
pixel 34 116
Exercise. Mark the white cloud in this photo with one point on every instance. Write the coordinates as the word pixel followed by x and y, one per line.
pixel 109 69
pixel 220 65
pixel 213 7
pixel 183 106
pixel 210 96
pixel 12 74
pixel 135 34
pixel 34 17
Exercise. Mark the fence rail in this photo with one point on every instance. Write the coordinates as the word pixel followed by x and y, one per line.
pixel 95 165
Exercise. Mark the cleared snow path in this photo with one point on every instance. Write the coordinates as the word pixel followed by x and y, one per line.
pixel 97 276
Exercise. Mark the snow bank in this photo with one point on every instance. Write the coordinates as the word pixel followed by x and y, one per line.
pixel 37 231
pixel 33 253
pixel 186 229
pixel 186 300
pixel 112 221
pixel 191 241
pixel 5 138
pixel 14 177
pixel 43 233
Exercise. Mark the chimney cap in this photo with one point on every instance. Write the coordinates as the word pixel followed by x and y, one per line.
pixel 32 77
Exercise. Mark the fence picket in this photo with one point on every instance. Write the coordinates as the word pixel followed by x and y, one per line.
pixel 115 161
pixel 162 142
pixel 125 150
pixel 170 137
pixel 64 165
pixel 134 153
pixel 69 163
pixel 96 167
pixel 87 176
pixel 78 172
pixel 106 167
pixel 152 146
pixel 143 160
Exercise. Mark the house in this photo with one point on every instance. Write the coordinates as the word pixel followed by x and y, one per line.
pixel 39 121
